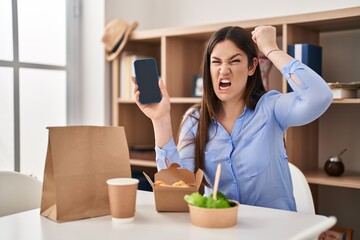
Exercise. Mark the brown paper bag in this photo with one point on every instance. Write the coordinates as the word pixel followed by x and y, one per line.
pixel 79 160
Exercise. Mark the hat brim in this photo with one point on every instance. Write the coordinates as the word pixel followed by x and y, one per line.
pixel 109 56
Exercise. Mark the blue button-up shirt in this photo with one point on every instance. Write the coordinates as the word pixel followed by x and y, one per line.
pixel 253 157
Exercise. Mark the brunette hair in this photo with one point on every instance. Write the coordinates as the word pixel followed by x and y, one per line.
pixel 210 102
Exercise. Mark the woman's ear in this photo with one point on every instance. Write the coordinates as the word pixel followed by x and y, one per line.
pixel 253 67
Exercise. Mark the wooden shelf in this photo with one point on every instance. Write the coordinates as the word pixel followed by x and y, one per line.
pixel 347 101
pixel 142 158
pixel 143 163
pixel 178 100
pixel 185 100
pixel 348 179
pixel 197 100
pixel 123 100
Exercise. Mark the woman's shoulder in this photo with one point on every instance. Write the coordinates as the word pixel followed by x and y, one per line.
pixel 268 98
pixel 267 101
pixel 193 113
pixel 193 110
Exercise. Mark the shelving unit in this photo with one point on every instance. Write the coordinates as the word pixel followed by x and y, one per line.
pixel 348 179
pixel 179 53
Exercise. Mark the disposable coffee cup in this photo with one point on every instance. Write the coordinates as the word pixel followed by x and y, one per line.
pixel 122 198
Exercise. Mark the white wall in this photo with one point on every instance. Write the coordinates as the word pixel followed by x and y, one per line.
pixel 94 95
pixel 168 13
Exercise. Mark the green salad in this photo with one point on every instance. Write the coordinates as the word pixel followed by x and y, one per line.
pixel 198 200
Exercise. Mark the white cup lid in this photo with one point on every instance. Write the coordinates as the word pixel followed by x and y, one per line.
pixel 122 181
pixel 122 220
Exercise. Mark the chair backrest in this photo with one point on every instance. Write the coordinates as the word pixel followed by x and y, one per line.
pixel 18 192
pixel 301 190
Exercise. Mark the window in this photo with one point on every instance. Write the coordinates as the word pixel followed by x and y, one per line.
pixel 34 82
pixel 6 118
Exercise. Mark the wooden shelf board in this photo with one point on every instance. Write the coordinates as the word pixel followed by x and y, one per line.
pixel 124 100
pixel 185 100
pixel 142 163
pixel 179 100
pixel 348 179
pixel 346 100
pixel 197 100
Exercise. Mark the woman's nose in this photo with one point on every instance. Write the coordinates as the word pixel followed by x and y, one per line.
pixel 224 69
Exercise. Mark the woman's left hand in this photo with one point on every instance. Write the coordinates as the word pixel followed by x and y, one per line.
pixel 265 38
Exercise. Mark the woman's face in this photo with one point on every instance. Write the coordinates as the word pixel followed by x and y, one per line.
pixel 229 71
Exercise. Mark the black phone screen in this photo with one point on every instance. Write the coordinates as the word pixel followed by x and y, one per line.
pixel 147 80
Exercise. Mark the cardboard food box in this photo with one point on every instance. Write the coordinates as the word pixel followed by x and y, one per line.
pixel 171 198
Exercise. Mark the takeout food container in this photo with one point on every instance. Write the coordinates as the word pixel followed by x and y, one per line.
pixel 171 198
pixel 214 217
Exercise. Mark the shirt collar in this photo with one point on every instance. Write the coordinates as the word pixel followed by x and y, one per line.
pixel 215 121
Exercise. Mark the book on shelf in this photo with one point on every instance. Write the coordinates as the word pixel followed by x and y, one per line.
pixel 310 55
pixel 126 71
pixel 344 90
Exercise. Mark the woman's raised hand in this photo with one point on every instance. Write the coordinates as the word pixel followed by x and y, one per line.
pixel 265 38
pixel 154 111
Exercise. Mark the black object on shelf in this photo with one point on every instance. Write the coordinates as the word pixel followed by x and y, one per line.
pixel 143 183
pixel 334 165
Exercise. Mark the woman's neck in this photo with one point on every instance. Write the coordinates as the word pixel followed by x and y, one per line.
pixel 229 112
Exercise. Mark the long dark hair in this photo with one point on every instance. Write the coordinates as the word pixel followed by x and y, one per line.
pixel 210 102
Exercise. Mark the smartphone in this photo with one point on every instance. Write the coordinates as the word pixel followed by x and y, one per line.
pixel 147 79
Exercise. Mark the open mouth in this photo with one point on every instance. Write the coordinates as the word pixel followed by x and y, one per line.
pixel 224 84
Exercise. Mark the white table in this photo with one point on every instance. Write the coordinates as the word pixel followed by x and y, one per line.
pixel 253 223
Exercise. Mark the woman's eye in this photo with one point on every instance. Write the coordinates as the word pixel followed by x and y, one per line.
pixel 235 61
pixel 215 62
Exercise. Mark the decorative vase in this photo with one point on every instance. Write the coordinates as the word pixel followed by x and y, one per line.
pixel 265 66
pixel 334 165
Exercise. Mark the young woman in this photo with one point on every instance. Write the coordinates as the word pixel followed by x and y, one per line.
pixel 238 123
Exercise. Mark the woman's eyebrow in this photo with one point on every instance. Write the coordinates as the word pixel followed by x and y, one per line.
pixel 216 58
pixel 235 55
pixel 232 57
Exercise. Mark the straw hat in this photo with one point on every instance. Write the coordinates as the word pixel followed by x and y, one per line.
pixel 115 36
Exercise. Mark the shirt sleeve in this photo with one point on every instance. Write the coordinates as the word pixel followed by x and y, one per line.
pixel 307 102
pixel 169 151
pixel 184 153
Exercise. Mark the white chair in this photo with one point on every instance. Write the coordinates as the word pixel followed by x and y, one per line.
pixel 305 204
pixel 18 192
pixel 301 190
